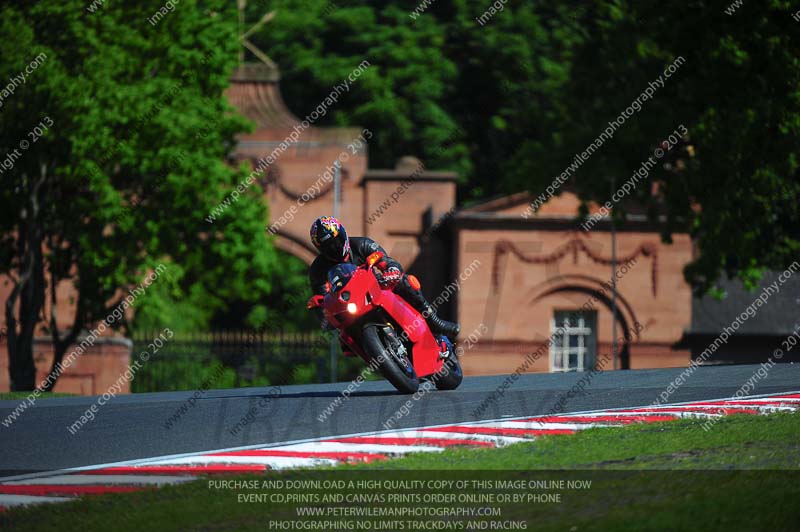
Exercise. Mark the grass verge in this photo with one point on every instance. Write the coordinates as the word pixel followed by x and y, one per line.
pixel 741 475
pixel 6 396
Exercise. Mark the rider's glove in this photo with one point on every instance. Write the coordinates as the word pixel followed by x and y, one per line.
pixel 389 277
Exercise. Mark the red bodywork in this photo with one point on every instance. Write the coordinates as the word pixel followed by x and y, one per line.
pixel 367 295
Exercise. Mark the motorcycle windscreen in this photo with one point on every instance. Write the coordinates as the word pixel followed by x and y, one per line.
pixel 340 275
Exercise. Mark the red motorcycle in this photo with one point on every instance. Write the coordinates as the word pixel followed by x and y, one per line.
pixel 385 331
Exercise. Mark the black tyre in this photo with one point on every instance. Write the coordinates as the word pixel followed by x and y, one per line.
pixel 450 376
pixel 385 353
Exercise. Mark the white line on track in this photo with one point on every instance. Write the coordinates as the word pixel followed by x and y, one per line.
pixel 141 461
pixel 274 462
pixel 342 447
pixel 535 425
pixel 422 433
pixel 78 480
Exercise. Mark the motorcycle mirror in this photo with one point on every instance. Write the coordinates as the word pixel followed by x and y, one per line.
pixel 373 258
pixel 314 301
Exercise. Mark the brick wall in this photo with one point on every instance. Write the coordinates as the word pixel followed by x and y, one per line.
pixel 92 373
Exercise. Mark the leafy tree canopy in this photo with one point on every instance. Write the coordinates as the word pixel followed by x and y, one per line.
pixel 733 179
pixel 509 103
pixel 130 163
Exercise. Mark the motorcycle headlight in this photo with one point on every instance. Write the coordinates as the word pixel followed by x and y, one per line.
pixel 352 308
pixel 345 296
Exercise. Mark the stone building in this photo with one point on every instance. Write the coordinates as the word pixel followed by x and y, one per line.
pixel 528 276
pixel 532 291
pixel 543 293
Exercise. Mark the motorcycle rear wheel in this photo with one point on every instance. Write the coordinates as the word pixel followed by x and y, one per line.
pixel 396 368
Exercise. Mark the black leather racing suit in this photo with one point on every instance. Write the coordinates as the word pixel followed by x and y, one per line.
pixel 360 248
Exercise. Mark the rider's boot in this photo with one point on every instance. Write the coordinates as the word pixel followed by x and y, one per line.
pixel 415 298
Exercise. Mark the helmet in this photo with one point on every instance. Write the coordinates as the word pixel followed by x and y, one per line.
pixel 330 238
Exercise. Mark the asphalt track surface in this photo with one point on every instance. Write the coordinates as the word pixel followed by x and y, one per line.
pixel 133 426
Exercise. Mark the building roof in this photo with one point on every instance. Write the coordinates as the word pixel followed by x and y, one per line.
pixel 408 167
pixel 779 316
pixel 515 211
pixel 563 205
pixel 255 93
pixel 500 203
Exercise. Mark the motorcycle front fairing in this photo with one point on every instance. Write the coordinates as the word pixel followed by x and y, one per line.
pixel 355 293
pixel 425 353
pixel 346 304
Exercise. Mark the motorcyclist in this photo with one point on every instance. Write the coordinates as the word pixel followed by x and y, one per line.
pixel 330 239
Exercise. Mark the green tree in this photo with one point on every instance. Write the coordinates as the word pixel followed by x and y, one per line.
pixel 510 102
pixel 135 130
pixel 511 70
pixel 733 180
pixel 459 95
pixel 400 96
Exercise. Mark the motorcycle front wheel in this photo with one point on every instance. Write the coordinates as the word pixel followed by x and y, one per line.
pixel 450 375
pixel 385 352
